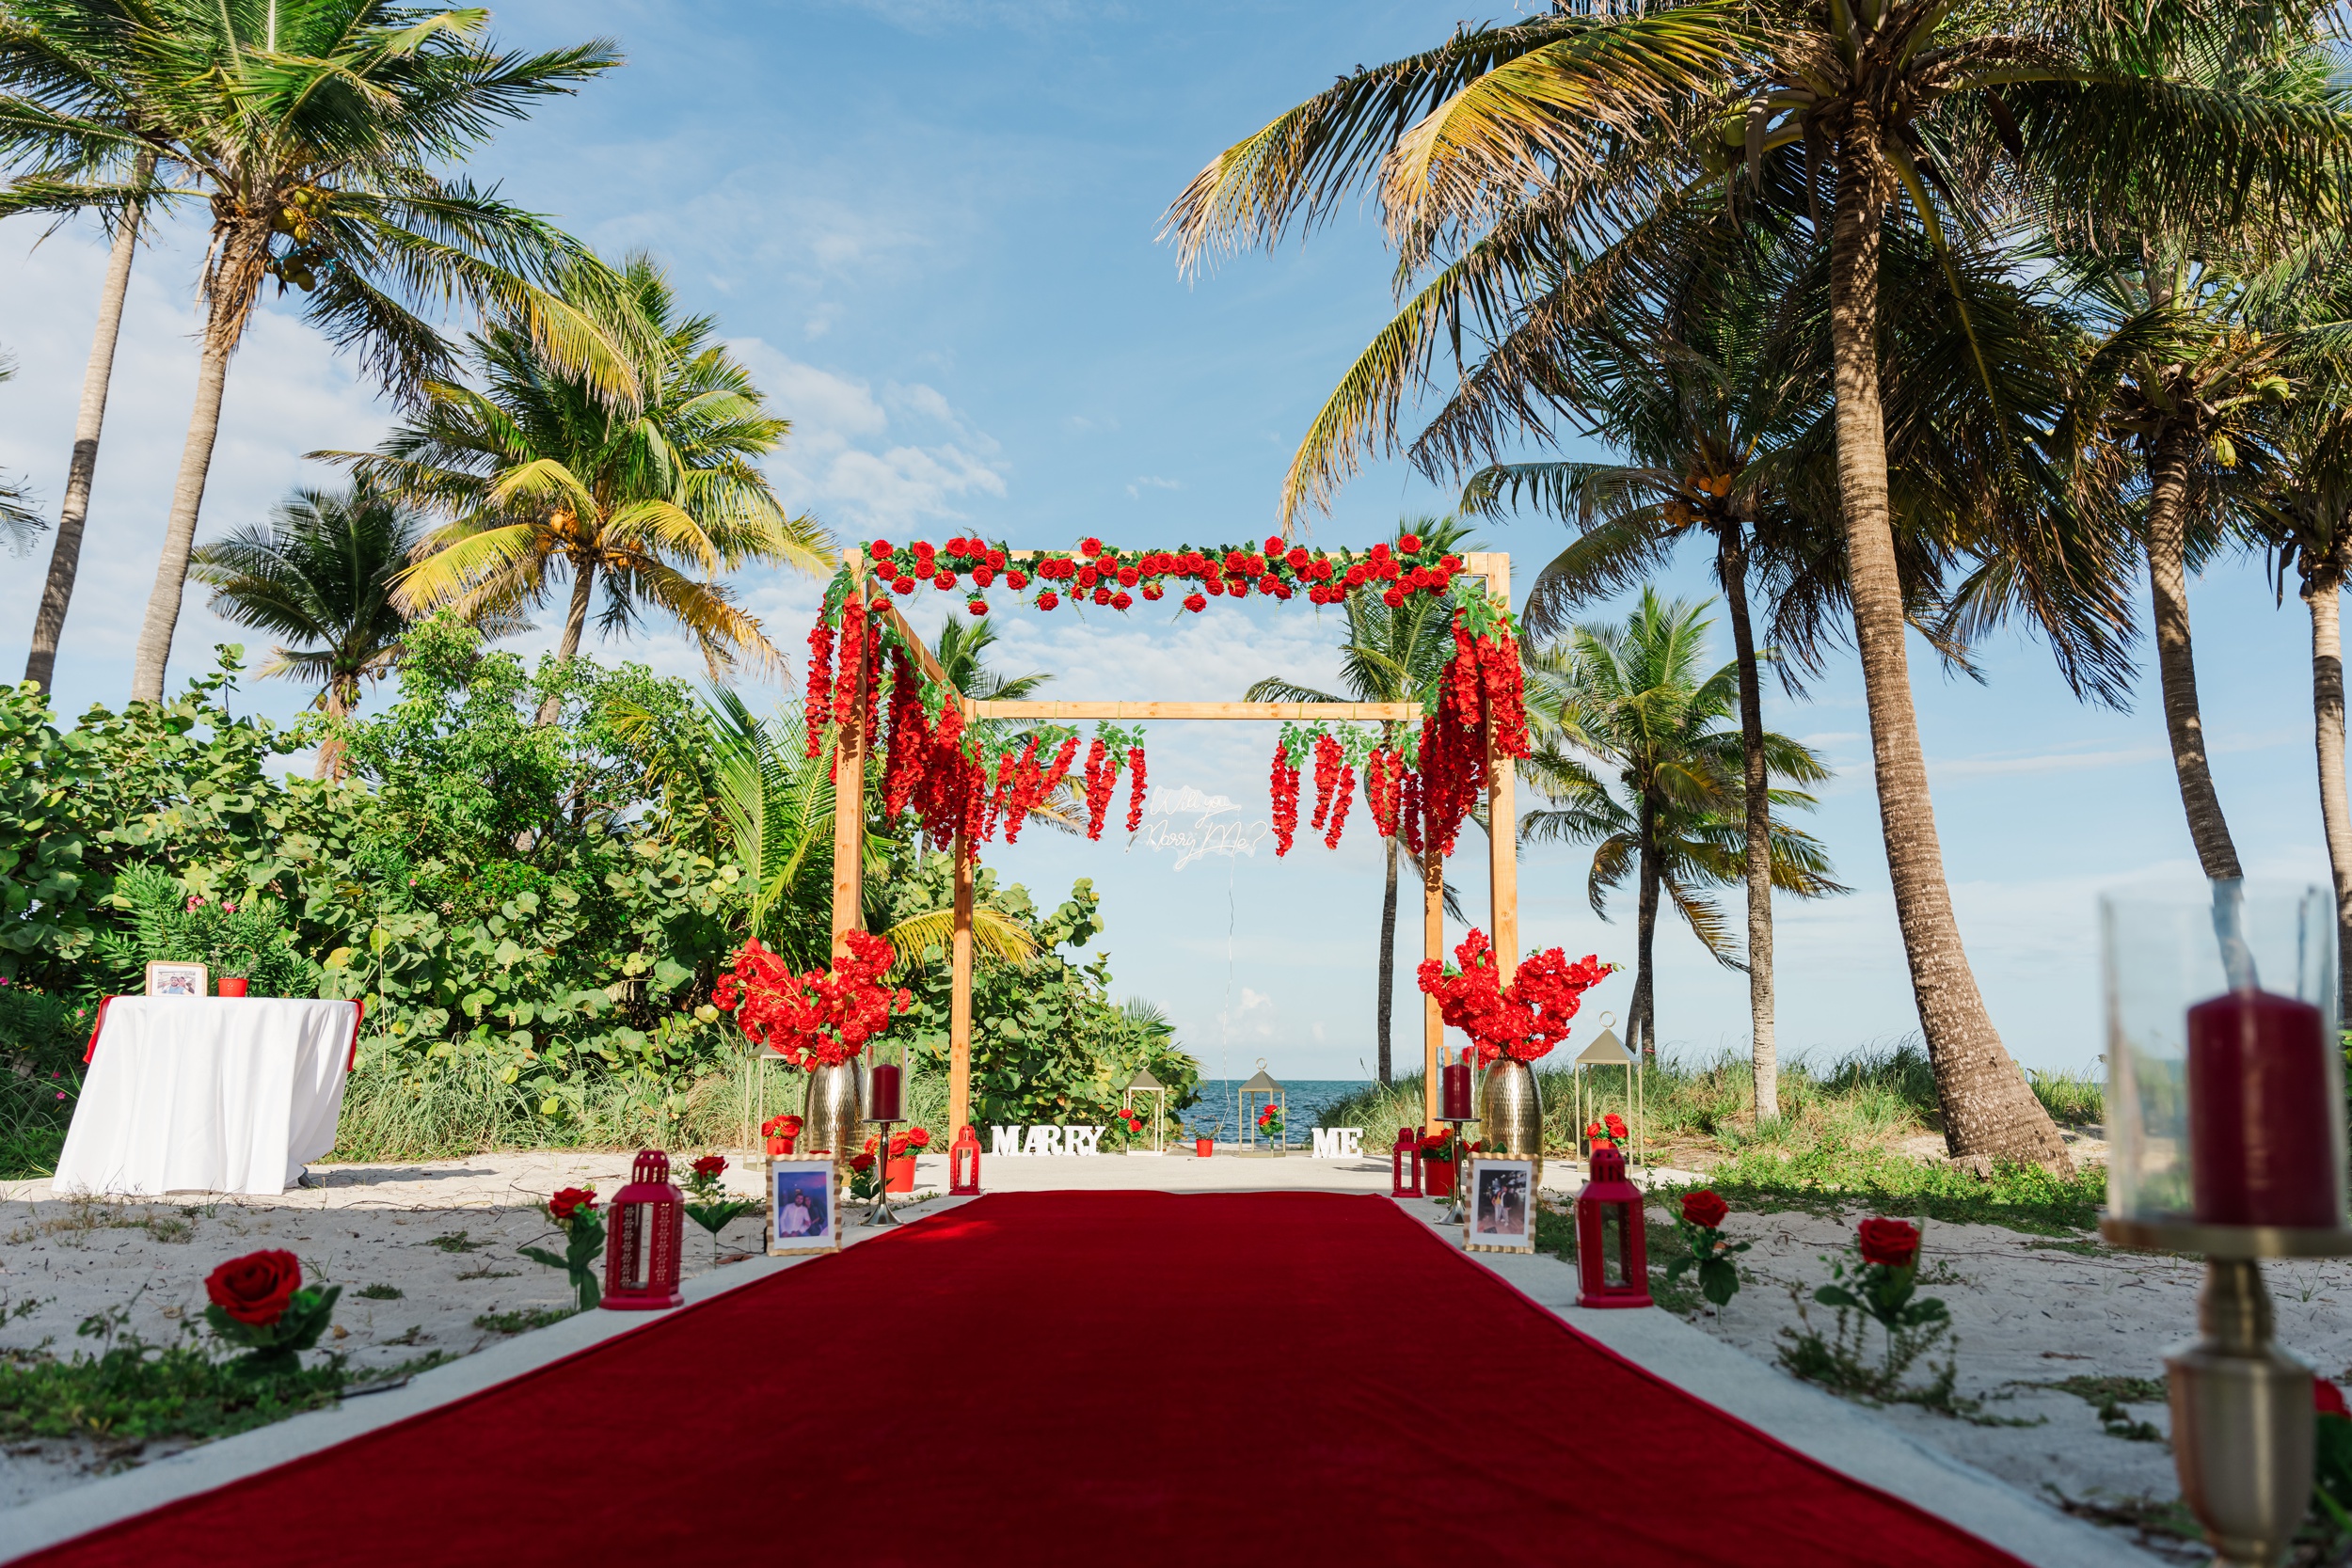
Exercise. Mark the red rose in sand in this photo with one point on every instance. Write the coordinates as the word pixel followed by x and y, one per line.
pixel 710 1165
pixel 257 1287
pixel 564 1205
pixel 1892 1243
pixel 2327 1400
pixel 1703 1208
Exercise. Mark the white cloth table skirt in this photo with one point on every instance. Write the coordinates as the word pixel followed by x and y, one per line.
pixel 211 1094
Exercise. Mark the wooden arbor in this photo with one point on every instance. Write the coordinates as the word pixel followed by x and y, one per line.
pixel 848 823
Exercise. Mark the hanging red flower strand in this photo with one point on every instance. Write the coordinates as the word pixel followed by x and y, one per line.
pixel 1285 785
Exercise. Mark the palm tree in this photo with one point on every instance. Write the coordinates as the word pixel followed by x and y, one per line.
pixel 1387 655
pixel 319 574
pixel 537 474
pixel 1507 156
pixel 1631 699
pixel 89 422
pixel 311 130
pixel 2305 521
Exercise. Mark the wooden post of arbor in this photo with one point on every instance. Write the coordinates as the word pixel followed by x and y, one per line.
pixel 1432 947
pixel 849 787
pixel 1502 819
pixel 960 1012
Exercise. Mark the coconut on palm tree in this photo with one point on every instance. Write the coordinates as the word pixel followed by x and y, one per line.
pixel 541 478
pixel 1507 157
pixel 316 133
pixel 319 574
pixel 1633 753
pixel 1387 655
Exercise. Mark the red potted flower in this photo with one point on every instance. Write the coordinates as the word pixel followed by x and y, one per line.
pixel 779 1132
pixel 898 1166
pixel 1440 1153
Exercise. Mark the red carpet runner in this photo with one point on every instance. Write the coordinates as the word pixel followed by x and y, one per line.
pixel 1067 1378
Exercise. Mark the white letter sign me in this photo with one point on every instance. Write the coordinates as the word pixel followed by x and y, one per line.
pixel 1339 1143
pixel 1012 1143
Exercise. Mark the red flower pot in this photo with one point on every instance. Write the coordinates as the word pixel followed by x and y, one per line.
pixel 780 1147
pixel 1204 1146
pixel 1436 1177
pixel 232 987
pixel 900 1175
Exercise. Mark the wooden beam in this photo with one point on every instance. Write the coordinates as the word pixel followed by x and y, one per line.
pixel 923 655
pixel 1406 711
pixel 1432 947
pixel 960 1008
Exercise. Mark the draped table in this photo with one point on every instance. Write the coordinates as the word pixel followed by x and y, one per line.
pixel 212 1094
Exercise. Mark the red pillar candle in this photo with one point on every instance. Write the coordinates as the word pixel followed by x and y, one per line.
pixel 1457 1094
pixel 882 1094
pixel 2262 1150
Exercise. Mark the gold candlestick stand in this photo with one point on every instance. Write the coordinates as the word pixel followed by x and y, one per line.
pixel 2241 1410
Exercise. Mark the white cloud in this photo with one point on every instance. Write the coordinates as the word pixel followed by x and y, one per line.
pixel 872 463
pixel 1151 481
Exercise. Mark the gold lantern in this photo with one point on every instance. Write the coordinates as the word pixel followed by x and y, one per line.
pixel 1607 1051
pixel 1143 1082
pixel 1267 1092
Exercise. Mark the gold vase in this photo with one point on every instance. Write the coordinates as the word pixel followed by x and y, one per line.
pixel 1511 1114
pixel 833 1119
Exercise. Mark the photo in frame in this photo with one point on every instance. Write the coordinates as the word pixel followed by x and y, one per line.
pixel 178 979
pixel 1502 1205
pixel 803 1207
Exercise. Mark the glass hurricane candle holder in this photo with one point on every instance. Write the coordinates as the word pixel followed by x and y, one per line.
pixel 2226 1137
pixel 2225 1090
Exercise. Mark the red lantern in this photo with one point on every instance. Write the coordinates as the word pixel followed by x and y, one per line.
pixel 1407 1152
pixel 646 1225
pixel 964 1164
pixel 1608 1204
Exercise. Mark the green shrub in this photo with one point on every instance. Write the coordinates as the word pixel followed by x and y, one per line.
pixel 169 921
pixel 42 1039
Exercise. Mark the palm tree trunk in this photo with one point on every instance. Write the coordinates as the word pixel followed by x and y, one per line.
pixel 1388 962
pixel 65 555
pixel 1645 970
pixel 2327 713
pixel 341 696
pixel 1988 1109
pixel 2176 660
pixel 1731 566
pixel 230 291
pixel 575 626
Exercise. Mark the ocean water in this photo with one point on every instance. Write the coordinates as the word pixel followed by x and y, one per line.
pixel 1216 1114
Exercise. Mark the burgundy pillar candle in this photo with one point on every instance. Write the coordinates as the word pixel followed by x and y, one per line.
pixel 1457 1094
pixel 2262 1150
pixel 882 1094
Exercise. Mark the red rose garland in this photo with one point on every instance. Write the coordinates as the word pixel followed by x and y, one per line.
pixel 1100 774
pixel 1327 778
pixel 1285 785
pixel 1340 798
pixel 1134 790
pixel 1522 1021
pixel 817 708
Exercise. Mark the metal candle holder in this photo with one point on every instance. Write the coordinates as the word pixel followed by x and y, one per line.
pixel 1458 1214
pixel 2241 1410
pixel 879 1215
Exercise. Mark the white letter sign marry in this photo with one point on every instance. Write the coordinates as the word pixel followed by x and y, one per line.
pixel 1008 1143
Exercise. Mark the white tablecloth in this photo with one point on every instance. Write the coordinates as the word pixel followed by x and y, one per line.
pixel 215 1094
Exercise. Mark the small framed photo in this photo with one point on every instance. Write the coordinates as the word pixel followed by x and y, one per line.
pixel 803 1207
pixel 1502 1205
pixel 176 979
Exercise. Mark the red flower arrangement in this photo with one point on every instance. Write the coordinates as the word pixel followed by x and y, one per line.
pixel 818 1018
pixel 1608 1132
pixel 781 1131
pixel 1270 1121
pixel 1522 1021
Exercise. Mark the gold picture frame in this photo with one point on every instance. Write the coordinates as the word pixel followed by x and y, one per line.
pixel 803 1207
pixel 167 978
pixel 1499 1205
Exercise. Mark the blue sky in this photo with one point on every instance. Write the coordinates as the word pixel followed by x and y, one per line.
pixel 929 227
